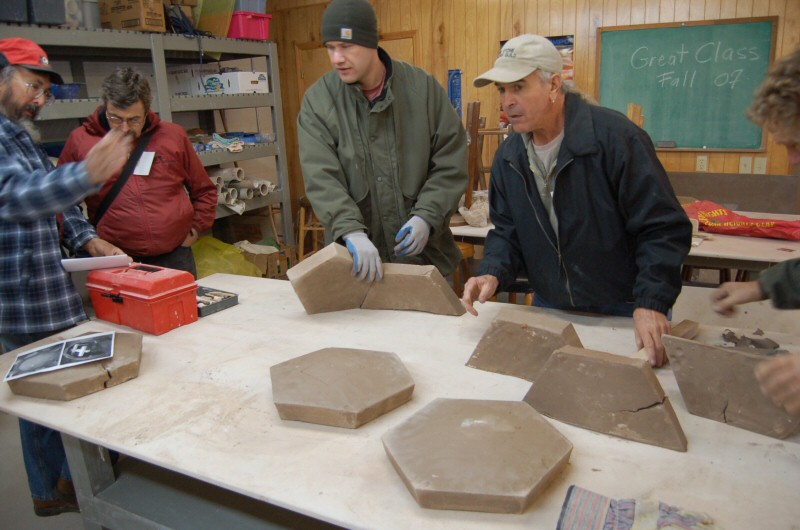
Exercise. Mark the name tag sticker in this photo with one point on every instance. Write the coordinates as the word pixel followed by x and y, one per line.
pixel 144 164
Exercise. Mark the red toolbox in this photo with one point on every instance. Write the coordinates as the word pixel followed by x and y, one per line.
pixel 145 297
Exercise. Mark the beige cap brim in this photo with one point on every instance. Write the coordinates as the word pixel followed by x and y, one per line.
pixel 503 74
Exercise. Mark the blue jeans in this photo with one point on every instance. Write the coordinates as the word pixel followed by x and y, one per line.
pixel 42 449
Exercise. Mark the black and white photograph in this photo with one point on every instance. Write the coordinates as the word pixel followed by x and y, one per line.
pixel 87 348
pixel 63 354
pixel 42 359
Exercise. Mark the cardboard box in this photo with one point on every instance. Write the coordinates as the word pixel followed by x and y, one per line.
pixel 181 77
pixel 78 381
pixel 245 83
pixel 271 262
pixel 210 84
pixel 133 15
pixel 145 297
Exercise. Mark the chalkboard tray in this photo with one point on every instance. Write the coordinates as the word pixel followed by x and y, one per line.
pixel 694 80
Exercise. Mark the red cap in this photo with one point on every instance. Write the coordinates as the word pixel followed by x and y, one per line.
pixel 23 52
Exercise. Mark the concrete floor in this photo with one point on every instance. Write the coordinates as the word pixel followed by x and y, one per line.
pixel 16 507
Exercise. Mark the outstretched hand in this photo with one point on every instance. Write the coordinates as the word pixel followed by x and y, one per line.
pixel 478 288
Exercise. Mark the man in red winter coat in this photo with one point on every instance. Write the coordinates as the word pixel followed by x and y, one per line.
pixel 153 218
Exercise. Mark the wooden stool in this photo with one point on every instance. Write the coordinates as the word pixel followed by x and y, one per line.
pixel 467 251
pixel 308 225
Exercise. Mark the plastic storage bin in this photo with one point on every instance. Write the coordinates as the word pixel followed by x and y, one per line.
pixel 14 11
pixel 66 91
pixel 253 6
pixel 248 25
pixel 48 12
pixel 145 297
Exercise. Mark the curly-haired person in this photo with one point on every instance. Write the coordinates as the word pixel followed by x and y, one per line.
pixel 777 108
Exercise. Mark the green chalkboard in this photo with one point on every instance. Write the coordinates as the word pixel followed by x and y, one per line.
pixel 694 81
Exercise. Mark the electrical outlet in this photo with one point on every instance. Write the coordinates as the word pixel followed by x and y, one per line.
pixel 760 165
pixel 702 163
pixel 746 164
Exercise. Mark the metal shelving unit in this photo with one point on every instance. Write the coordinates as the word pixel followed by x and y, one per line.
pixel 80 45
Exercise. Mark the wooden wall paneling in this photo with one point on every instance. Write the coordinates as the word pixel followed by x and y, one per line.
pixel 569 17
pixel 652 11
pixel 727 9
pixel 744 8
pixel 638 11
pixel 517 18
pixel 623 12
pixel 610 13
pixel 697 10
pixel 666 11
pixel 682 9
pixel 537 17
pixel 557 18
pixel 583 52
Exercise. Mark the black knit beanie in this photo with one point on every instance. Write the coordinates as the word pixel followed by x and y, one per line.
pixel 350 21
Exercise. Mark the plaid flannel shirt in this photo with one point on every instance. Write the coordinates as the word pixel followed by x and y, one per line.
pixel 36 294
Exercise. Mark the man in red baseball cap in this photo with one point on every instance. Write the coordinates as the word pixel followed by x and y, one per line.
pixel 38 214
pixel 23 52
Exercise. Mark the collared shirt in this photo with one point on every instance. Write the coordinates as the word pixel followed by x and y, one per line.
pixel 542 161
pixel 36 294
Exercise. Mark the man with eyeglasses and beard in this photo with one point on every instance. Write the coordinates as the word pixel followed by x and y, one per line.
pixel 38 214
pixel 150 215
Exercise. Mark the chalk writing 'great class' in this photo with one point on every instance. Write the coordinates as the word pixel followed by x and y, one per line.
pixel 710 52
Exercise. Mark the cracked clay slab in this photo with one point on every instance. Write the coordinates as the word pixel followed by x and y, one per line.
pixel 477 455
pixel 518 343
pixel 607 393
pixel 718 383
pixel 324 282
pixel 341 387
pixel 85 379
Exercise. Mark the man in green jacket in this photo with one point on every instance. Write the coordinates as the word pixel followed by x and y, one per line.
pixel 384 154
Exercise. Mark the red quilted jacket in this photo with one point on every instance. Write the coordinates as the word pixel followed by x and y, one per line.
pixel 152 214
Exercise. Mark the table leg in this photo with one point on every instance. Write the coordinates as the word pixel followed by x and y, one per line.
pixel 92 472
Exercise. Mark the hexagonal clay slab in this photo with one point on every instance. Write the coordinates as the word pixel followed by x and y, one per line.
pixel 342 387
pixel 518 343
pixel 476 455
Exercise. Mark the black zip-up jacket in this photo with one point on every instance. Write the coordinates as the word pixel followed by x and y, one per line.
pixel 622 235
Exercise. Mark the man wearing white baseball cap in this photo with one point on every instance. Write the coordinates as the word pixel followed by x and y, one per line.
pixel 580 202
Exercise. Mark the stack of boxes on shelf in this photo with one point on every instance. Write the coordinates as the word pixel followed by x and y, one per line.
pixel 209 80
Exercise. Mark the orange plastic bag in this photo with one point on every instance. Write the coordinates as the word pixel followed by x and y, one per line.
pixel 717 219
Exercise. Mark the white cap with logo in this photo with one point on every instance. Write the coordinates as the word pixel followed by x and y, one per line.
pixel 519 57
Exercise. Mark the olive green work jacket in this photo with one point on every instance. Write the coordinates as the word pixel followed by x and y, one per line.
pixel 373 167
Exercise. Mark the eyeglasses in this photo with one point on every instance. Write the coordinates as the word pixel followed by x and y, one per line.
pixel 117 120
pixel 36 90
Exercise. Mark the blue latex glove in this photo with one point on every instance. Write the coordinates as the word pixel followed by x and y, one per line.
pixel 366 259
pixel 412 238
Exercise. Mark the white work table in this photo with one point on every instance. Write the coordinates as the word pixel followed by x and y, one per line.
pixel 202 406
